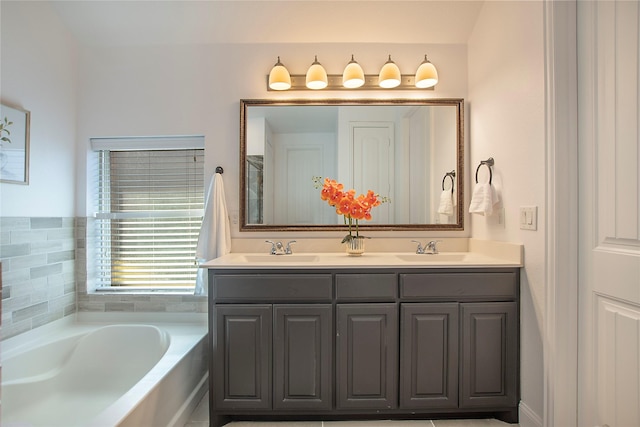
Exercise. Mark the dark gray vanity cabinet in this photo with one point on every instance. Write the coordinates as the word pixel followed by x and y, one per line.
pixel 242 353
pixel 289 343
pixel 483 308
pixel 351 343
pixel 302 352
pixel 366 341
pixel 489 355
pixel 275 354
pixel 429 355
pixel 367 354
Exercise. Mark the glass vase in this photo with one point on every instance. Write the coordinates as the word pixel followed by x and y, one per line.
pixel 355 246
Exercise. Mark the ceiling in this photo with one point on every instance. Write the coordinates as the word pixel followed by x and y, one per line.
pixel 168 22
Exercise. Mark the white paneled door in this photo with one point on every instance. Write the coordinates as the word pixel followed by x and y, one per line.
pixel 609 241
pixel 297 201
pixel 372 148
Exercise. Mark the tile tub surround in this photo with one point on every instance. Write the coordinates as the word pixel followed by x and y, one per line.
pixel 38 272
pixel 45 271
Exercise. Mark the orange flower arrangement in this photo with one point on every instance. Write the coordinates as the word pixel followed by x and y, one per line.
pixel 352 208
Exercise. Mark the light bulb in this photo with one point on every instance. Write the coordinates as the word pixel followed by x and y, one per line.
pixel 279 78
pixel 427 75
pixel 316 76
pixel 353 75
pixel 389 75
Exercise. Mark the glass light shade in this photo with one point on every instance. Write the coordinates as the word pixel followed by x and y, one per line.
pixel 353 75
pixel 279 77
pixel 316 76
pixel 389 75
pixel 427 75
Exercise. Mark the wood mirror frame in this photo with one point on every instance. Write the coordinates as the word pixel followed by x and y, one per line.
pixel 457 221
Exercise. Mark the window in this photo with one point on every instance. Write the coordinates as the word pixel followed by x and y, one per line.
pixel 150 206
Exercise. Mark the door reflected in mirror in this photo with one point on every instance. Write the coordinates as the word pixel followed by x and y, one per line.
pixel 400 149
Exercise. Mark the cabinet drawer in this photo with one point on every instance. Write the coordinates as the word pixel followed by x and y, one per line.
pixel 459 286
pixel 276 287
pixel 369 287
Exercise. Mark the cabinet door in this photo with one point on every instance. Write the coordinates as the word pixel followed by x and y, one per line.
pixel 489 351
pixel 367 356
pixel 302 356
pixel 242 352
pixel 429 355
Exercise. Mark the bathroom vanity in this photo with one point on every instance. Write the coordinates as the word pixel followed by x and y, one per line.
pixel 383 336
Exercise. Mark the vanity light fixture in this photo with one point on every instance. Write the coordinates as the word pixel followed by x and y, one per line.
pixel 427 75
pixel 353 75
pixel 279 77
pixel 389 76
pixel 353 78
pixel 316 76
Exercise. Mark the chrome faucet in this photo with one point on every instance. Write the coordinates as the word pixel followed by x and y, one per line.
pixel 420 249
pixel 277 248
pixel 288 250
pixel 431 248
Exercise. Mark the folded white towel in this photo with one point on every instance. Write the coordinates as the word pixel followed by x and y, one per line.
pixel 446 203
pixel 214 239
pixel 483 199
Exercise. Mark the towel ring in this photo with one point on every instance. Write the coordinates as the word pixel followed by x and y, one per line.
pixel 451 175
pixel 219 170
pixel 488 163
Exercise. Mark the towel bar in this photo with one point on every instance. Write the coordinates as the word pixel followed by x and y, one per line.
pixel 488 163
pixel 451 175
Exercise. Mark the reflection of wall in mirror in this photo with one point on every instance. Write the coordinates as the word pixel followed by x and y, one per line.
pixel 399 151
pixel 444 135
pixel 417 134
pixel 428 147
pixel 255 170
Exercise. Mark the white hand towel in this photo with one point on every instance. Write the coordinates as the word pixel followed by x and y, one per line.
pixel 446 203
pixel 214 239
pixel 483 199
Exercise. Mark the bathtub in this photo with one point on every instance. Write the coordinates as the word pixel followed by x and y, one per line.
pixel 105 369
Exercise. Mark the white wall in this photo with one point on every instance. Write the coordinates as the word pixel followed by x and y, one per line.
pixel 196 90
pixel 38 74
pixel 506 103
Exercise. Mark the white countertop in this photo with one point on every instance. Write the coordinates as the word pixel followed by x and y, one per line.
pixel 493 254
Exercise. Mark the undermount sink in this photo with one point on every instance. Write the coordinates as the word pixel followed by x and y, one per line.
pixel 427 258
pixel 292 258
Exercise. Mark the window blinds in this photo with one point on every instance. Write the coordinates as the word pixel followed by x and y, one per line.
pixel 150 211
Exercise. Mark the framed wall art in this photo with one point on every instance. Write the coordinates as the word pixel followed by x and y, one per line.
pixel 14 144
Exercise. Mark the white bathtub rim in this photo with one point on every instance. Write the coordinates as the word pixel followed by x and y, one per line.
pixel 85 321
pixel 121 408
pixel 70 343
pixel 185 329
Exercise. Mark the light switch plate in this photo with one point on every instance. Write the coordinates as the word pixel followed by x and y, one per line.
pixel 528 217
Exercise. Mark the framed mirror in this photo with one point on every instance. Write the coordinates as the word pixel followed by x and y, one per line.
pixel 411 152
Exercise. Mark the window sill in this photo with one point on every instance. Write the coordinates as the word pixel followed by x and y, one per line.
pixel 133 290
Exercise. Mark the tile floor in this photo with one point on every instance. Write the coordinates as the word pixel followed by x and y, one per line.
pixel 200 418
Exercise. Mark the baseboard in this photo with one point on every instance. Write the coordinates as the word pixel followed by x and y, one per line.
pixel 528 418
